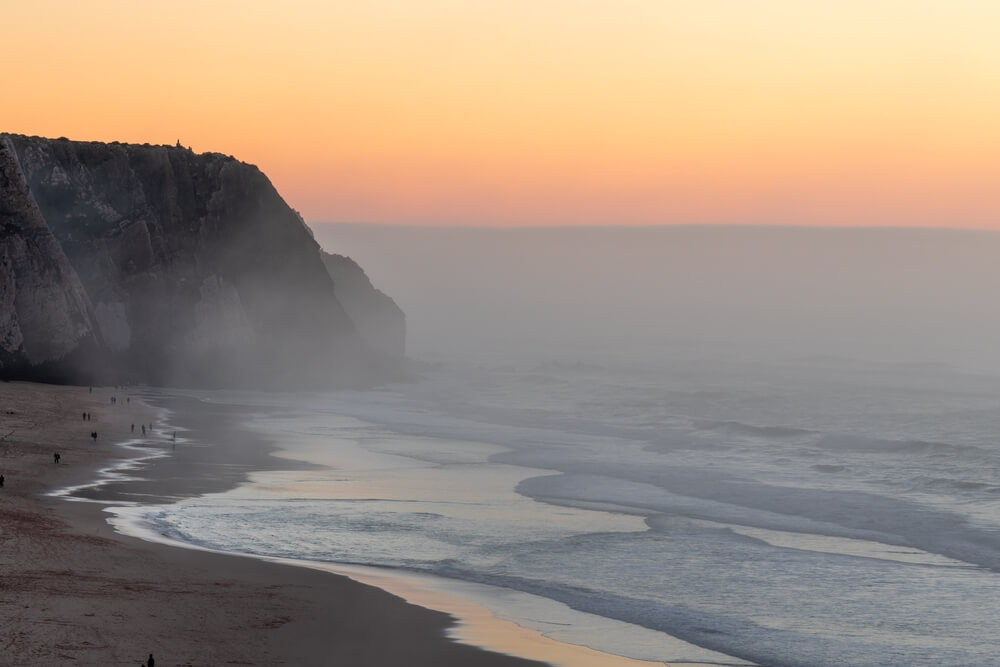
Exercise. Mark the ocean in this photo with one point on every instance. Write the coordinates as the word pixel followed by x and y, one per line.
pixel 702 445
pixel 808 512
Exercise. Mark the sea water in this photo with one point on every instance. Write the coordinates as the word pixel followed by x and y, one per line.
pixel 816 512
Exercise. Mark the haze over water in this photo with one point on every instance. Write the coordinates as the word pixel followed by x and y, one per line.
pixel 640 296
pixel 778 445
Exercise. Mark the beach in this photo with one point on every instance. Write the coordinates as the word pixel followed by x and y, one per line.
pixel 765 516
pixel 75 591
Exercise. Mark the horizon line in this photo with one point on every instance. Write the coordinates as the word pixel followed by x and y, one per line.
pixel 665 225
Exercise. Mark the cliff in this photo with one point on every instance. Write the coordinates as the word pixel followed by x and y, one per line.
pixel 47 325
pixel 381 323
pixel 174 268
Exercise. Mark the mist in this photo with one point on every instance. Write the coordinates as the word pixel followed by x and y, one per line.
pixel 645 295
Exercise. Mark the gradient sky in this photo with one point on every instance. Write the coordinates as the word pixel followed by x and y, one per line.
pixel 875 112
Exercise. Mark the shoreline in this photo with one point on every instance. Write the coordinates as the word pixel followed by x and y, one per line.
pixel 75 589
pixel 484 615
pixel 473 624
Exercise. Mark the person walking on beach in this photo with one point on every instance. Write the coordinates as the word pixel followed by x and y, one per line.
pixel 133 428
pixel 55 458
pixel 144 429
pixel 1 481
pixel 150 662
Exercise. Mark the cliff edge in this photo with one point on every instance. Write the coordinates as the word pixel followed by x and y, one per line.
pixel 381 323
pixel 160 265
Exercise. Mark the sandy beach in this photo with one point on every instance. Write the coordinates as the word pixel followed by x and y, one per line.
pixel 72 591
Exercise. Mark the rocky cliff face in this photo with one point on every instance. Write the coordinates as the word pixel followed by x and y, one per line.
pixel 184 268
pixel 378 319
pixel 47 326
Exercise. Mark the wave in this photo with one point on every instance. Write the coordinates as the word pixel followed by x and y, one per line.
pixel 850 514
pixel 959 484
pixel 828 467
pixel 853 443
pixel 751 430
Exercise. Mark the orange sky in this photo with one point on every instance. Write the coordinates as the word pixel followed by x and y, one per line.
pixel 875 112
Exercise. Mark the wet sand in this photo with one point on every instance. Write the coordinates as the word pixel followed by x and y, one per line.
pixel 72 591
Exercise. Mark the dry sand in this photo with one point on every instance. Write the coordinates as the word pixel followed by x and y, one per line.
pixel 74 592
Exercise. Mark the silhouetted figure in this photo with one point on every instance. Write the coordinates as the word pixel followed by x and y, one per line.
pixel 133 428
pixel 84 414
pixel 1 481
pixel 144 429
pixel 56 457
pixel 128 399
pixel 150 662
pixel 93 434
